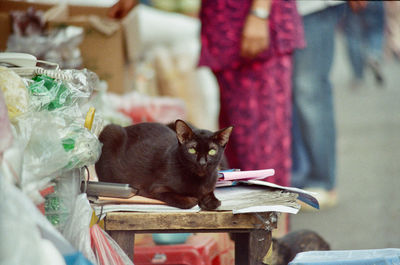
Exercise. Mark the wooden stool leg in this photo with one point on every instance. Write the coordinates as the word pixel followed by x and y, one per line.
pixel 250 248
pixel 241 247
pixel 125 239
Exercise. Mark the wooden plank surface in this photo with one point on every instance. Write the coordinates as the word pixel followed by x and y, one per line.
pixel 138 221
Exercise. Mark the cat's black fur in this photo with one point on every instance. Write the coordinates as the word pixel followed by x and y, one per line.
pixel 156 160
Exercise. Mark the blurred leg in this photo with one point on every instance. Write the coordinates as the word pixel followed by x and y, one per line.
pixel 354 29
pixel 373 19
pixel 312 97
pixel 300 164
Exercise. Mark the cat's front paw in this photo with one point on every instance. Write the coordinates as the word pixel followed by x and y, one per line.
pixel 187 202
pixel 209 202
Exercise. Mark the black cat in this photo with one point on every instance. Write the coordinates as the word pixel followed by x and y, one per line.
pixel 178 167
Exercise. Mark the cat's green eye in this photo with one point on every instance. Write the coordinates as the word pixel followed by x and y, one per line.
pixel 212 152
pixel 192 151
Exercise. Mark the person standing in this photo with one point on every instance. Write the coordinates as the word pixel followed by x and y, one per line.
pixel 313 131
pixel 249 45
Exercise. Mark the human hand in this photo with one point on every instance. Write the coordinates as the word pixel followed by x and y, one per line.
pixel 121 8
pixel 357 6
pixel 255 37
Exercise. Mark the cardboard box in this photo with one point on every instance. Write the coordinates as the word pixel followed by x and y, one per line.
pixel 101 53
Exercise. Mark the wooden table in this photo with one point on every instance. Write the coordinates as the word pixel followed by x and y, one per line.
pixel 251 232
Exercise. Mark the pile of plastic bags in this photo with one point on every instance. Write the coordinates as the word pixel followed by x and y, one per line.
pixel 43 146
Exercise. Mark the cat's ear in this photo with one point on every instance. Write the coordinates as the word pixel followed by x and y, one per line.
pixel 183 131
pixel 222 136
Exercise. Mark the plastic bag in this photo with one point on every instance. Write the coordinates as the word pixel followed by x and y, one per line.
pixel 5 128
pixel 59 204
pixel 77 229
pixel 15 92
pixel 56 139
pixel 106 249
pixel 28 238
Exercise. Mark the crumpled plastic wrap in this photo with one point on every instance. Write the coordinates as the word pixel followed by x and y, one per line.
pixel 55 141
pixel 47 93
pixel 15 92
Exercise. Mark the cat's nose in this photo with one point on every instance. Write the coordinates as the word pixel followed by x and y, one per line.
pixel 202 161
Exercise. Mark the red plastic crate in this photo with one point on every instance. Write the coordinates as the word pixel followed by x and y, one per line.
pixel 198 250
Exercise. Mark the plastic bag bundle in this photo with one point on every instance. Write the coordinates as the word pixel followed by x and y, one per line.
pixel 59 46
pixel 106 249
pixel 15 92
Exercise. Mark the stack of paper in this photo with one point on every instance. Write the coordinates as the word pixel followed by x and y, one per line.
pixel 245 194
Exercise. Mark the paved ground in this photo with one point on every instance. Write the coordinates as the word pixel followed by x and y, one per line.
pixel 368 123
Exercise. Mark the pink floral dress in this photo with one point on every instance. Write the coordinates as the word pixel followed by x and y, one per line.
pixel 255 95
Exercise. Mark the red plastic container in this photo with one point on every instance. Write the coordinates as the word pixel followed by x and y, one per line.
pixel 198 250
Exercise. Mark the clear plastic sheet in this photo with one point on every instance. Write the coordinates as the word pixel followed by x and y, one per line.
pixel 15 92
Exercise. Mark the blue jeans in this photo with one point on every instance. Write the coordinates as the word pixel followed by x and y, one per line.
pixel 364 32
pixel 313 130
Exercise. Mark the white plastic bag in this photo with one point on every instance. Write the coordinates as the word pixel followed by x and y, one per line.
pixel 28 238
pixel 77 229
